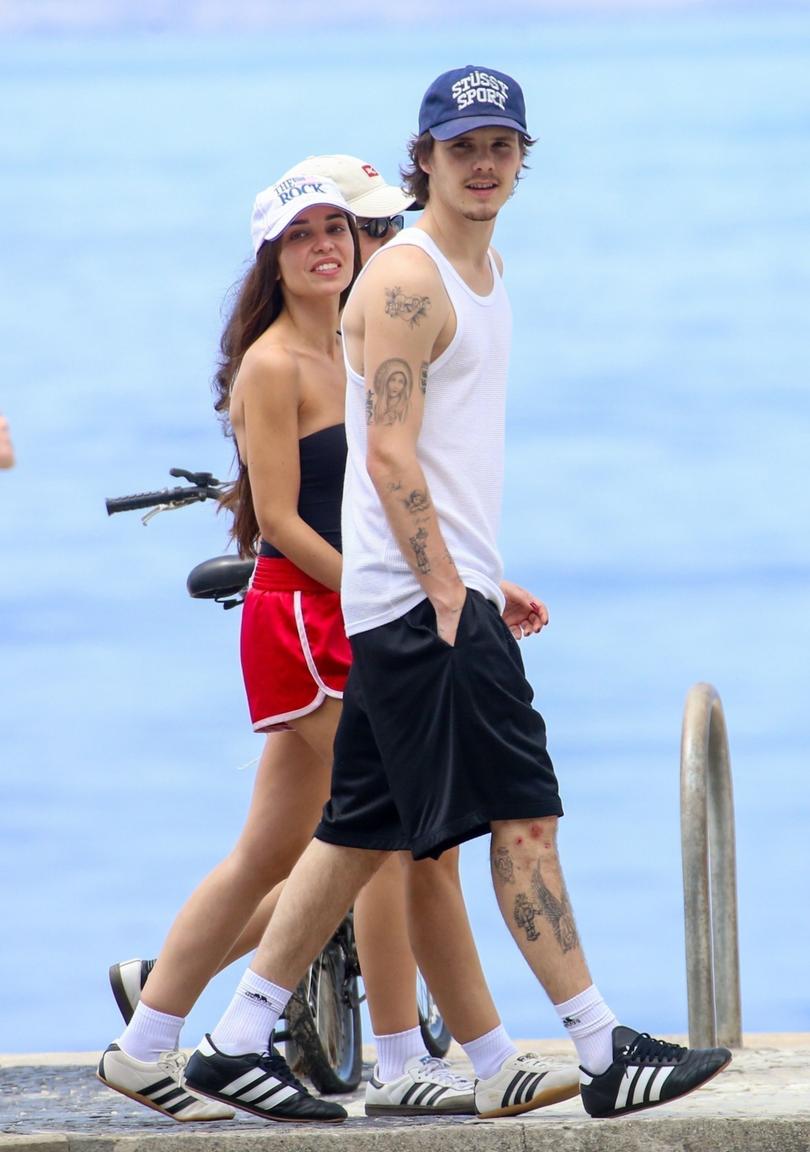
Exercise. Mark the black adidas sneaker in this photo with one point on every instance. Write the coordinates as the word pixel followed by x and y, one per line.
pixel 646 1072
pixel 258 1082
pixel 127 979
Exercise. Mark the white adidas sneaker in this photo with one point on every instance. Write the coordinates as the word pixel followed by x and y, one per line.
pixel 158 1085
pixel 428 1087
pixel 524 1083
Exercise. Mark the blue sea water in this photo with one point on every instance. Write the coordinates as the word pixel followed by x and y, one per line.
pixel 658 262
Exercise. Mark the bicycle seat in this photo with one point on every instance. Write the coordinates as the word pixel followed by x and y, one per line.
pixel 221 576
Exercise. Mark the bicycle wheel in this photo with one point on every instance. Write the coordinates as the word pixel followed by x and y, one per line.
pixel 435 1032
pixel 324 1040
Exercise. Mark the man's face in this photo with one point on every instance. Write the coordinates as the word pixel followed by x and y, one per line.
pixel 475 173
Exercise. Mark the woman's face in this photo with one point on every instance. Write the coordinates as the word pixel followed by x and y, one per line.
pixel 316 257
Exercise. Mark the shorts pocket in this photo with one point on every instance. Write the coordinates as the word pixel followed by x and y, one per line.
pixel 432 625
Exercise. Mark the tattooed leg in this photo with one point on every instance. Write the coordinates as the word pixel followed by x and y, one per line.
pixel 556 910
pixel 525 913
pixel 534 903
pixel 503 865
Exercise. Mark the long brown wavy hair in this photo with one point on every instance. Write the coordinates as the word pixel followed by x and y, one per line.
pixel 259 301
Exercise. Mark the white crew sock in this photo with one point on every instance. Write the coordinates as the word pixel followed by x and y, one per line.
pixel 251 1016
pixel 590 1023
pixel 489 1051
pixel 395 1050
pixel 150 1033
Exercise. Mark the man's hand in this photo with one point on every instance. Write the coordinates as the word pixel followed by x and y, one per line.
pixel 523 614
pixel 447 620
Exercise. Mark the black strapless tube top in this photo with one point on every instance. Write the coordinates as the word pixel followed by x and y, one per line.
pixel 323 464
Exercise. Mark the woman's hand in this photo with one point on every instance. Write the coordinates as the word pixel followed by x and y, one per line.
pixel 523 614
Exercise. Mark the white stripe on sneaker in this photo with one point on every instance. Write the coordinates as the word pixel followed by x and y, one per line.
pixel 276 1094
pixel 630 1073
pixel 642 1080
pixel 658 1083
pixel 260 1088
pixel 641 1085
pixel 244 1081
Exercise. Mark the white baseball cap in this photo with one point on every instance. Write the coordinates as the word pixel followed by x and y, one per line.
pixel 277 206
pixel 364 188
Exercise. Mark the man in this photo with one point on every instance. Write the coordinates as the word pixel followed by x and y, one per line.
pixel 438 741
pixel 155 996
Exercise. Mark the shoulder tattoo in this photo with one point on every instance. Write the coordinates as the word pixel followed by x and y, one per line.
pixel 408 308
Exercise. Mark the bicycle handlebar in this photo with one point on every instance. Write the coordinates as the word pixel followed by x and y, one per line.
pixel 202 486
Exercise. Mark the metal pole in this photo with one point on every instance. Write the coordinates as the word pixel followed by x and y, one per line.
pixel 709 874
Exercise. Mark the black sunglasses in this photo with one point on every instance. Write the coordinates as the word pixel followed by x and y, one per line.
pixel 378 227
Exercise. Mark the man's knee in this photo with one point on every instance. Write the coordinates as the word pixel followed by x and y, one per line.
pixel 515 842
pixel 429 871
pixel 540 832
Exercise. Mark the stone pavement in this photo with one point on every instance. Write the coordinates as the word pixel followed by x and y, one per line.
pixel 761 1103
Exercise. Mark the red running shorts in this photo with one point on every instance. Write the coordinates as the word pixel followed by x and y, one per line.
pixel 293 645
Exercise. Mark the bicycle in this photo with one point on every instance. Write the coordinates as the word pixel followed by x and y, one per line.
pixel 322 1030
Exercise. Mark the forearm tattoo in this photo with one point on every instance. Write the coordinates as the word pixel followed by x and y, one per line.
pixel 503 866
pixel 393 384
pixel 423 375
pixel 557 911
pixel 417 502
pixel 525 913
pixel 409 308
pixel 419 544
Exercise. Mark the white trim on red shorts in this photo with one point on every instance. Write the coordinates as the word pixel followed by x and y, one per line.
pixel 280 723
pixel 305 648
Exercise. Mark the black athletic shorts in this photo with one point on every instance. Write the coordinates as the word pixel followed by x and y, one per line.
pixel 435 741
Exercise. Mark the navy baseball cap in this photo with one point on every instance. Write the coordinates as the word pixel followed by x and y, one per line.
pixel 469 98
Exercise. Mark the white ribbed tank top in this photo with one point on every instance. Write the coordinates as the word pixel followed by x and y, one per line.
pixel 460 448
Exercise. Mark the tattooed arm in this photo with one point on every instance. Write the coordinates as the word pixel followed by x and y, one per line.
pixel 406 317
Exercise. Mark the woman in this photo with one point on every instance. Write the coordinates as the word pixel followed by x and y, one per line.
pixel 281 383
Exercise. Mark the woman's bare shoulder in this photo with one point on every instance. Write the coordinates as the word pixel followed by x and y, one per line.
pixel 270 370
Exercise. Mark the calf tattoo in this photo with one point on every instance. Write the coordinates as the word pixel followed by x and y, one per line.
pixel 409 308
pixel 556 910
pixel 503 866
pixel 525 913
pixel 393 384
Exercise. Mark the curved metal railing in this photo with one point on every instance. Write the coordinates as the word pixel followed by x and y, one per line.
pixel 709 874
